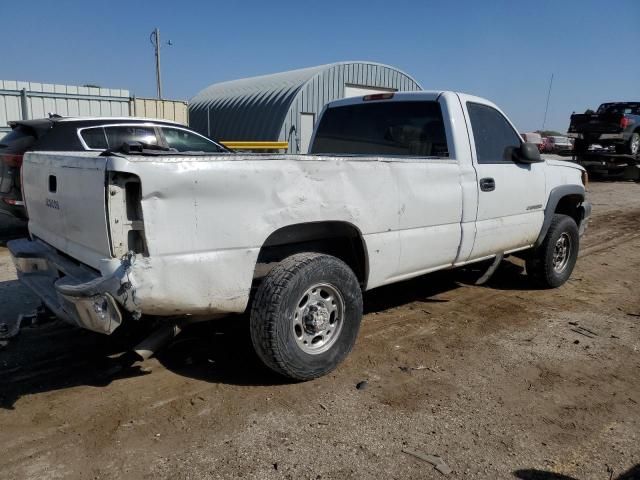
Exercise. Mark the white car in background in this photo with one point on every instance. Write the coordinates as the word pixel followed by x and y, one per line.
pixel 557 144
pixel 533 137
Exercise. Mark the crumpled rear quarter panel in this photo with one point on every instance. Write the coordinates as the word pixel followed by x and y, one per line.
pixel 205 219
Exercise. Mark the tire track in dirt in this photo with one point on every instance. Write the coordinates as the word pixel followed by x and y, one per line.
pixel 610 230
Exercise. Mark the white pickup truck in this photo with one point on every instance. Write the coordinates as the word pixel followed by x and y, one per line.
pixel 397 185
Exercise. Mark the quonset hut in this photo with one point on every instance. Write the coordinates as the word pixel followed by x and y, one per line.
pixel 284 106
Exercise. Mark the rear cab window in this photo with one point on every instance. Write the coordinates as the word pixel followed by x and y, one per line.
pixel 406 128
pixel 494 136
pixel 620 108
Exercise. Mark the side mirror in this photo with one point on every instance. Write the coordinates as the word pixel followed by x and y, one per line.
pixel 527 153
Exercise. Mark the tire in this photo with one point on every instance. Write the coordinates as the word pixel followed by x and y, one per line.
pixel 632 147
pixel 293 310
pixel 581 146
pixel 549 265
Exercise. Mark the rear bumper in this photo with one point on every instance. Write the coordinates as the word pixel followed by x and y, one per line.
pixel 202 284
pixel 598 136
pixel 75 293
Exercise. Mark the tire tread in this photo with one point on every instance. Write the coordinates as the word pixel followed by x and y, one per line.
pixel 541 271
pixel 266 307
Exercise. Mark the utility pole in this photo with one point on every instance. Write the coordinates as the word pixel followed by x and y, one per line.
pixel 544 121
pixel 155 41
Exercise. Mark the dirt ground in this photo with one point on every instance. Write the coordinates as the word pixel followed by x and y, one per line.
pixel 500 381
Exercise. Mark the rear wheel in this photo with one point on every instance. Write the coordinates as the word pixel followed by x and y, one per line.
pixel 306 315
pixel 633 146
pixel 551 264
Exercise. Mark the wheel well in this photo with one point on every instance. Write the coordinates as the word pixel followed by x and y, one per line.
pixel 570 205
pixel 340 239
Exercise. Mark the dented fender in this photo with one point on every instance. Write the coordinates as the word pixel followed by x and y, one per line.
pixel 202 283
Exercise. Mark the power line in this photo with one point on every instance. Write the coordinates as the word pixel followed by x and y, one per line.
pixel 546 109
pixel 155 41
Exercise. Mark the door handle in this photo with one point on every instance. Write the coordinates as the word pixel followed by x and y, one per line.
pixel 487 184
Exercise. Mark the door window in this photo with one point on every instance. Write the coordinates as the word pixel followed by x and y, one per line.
pixel 117 135
pixel 495 138
pixel 95 138
pixel 185 141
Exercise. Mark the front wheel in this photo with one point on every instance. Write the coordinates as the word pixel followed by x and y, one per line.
pixel 550 265
pixel 306 315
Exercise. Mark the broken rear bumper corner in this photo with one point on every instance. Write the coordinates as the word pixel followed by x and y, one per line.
pixel 75 293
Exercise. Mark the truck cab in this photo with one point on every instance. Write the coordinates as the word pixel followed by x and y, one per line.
pixel 503 192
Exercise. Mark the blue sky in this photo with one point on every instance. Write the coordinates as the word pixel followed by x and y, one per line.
pixel 502 50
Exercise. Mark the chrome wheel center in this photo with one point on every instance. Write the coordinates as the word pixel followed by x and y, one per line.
pixel 561 252
pixel 318 318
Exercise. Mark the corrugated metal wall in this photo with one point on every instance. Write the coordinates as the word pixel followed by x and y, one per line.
pixel 251 109
pixel 265 108
pixel 174 110
pixel 25 100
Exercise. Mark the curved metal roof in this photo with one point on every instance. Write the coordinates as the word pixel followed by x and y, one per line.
pixel 255 108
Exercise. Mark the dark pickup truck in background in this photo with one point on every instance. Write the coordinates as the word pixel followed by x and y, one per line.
pixel 613 125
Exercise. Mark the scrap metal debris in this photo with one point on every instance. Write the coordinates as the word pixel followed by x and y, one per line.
pixel 585 331
pixel 437 462
pixel 410 369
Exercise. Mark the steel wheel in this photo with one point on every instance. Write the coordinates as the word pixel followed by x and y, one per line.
pixel 318 318
pixel 562 253
pixel 306 315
